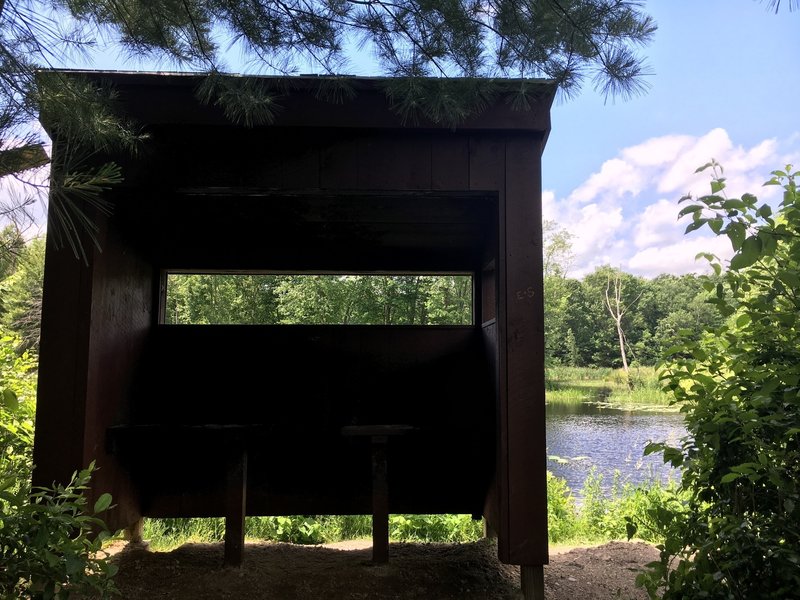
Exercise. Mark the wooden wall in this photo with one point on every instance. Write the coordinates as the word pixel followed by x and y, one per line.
pixel 200 196
pixel 96 318
pixel 298 386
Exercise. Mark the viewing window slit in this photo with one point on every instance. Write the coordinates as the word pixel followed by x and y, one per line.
pixel 318 299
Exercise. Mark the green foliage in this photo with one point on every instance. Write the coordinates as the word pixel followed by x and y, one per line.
pixel 640 386
pixel 221 299
pixel 600 516
pixel 579 332
pixel 17 407
pixel 739 388
pixel 299 529
pixel 595 517
pixel 434 528
pixel 49 541
pixel 561 511
pixel 320 299
pixel 48 537
pixel 21 294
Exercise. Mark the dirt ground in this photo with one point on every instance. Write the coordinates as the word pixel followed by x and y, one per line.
pixel 344 571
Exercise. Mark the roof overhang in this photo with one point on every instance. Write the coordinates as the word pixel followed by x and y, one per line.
pixel 156 98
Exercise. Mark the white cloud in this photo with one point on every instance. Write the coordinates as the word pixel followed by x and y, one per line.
pixel 657 224
pixel 616 178
pixel 657 151
pixel 679 257
pixel 625 215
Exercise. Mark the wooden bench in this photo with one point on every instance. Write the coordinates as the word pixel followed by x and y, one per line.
pixel 234 441
pixel 379 437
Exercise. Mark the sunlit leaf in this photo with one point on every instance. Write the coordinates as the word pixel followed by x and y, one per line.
pixel 749 253
pixel 102 503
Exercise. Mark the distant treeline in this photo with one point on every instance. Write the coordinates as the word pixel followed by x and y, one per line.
pixel 580 328
pixel 319 299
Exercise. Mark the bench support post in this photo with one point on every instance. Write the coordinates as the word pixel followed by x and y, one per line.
pixel 133 533
pixel 532 577
pixel 379 438
pixel 235 502
pixel 380 502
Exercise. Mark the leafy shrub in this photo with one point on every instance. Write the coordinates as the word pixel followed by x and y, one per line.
pixel 48 542
pixel 17 407
pixel 297 530
pixel 736 536
pixel 434 528
pixel 561 516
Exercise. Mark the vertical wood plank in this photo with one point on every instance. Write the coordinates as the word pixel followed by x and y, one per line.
pixel 58 445
pixel 394 161
pixel 339 164
pixel 380 502
pixel 487 172
pixel 122 314
pixel 532 582
pixel 450 161
pixel 235 506
pixel 527 492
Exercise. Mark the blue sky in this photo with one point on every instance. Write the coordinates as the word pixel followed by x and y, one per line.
pixel 724 85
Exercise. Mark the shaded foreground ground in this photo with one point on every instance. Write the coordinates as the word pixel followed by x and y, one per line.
pixel 415 571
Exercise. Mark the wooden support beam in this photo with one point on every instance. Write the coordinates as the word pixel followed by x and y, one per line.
pixel 532 577
pixel 380 502
pixel 235 502
pixel 133 533
pixel 379 438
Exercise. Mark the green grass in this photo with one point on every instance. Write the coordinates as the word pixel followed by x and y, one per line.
pixel 605 386
pixel 602 515
pixel 167 534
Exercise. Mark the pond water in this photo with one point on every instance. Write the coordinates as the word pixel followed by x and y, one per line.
pixel 582 436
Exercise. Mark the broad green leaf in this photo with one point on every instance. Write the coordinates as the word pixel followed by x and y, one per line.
pixel 749 253
pixel 717 185
pixel 692 208
pixel 733 204
pixel 769 242
pixel 736 233
pixel 9 400
pixel 652 447
pixel 744 468
pixel 103 502
pixel 743 320
pixel 695 225
pixel 790 278
pixel 730 477
pixel 675 349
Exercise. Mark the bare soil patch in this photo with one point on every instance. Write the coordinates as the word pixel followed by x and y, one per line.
pixel 344 571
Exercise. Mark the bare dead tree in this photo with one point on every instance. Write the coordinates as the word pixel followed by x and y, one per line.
pixel 617 309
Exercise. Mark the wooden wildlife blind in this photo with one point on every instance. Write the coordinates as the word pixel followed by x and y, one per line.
pixel 168 411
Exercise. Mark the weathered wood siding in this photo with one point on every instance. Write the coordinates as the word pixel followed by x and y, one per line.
pixel 325 188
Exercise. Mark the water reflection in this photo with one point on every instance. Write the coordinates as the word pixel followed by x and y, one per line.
pixel 581 436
